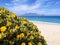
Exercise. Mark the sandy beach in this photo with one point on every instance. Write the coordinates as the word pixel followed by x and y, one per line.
pixel 50 31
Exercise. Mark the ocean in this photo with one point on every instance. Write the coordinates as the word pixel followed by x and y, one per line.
pixel 52 19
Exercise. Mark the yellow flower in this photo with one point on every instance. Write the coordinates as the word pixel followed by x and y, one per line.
pixel 16 26
pixel 39 43
pixel 38 33
pixel 23 43
pixel 1 36
pixel 3 10
pixel 23 19
pixel 31 37
pixel 40 36
pixel 3 29
pixel 28 33
pixel 12 15
pixel 22 35
pixel 9 23
pixel 29 43
pixel 24 22
pixel 17 36
pixel 34 27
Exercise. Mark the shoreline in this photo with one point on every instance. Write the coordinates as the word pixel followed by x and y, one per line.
pixel 50 31
pixel 45 22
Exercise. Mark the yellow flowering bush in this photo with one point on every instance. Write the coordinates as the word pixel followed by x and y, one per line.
pixel 16 30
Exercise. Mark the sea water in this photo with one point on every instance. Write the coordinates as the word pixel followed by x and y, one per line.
pixel 53 19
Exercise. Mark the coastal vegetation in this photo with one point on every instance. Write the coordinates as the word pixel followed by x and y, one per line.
pixel 16 30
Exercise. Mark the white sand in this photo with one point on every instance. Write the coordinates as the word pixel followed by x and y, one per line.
pixel 50 31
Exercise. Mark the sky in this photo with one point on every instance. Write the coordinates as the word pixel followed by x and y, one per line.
pixel 41 7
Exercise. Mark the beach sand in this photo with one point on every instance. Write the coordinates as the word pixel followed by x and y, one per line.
pixel 50 31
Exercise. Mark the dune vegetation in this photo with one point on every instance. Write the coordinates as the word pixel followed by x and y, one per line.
pixel 16 30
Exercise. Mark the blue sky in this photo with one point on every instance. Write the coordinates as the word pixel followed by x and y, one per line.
pixel 45 7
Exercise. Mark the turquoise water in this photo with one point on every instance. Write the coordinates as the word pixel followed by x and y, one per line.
pixel 54 19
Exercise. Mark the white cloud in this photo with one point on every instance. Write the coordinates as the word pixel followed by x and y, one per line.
pixel 26 7
pixel 53 12
pixel 34 8
pixel 48 12
pixel 22 9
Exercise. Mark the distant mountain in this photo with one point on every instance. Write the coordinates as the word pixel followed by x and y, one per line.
pixel 35 14
pixel 31 14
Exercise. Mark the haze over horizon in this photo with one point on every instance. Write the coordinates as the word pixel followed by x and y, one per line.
pixel 40 7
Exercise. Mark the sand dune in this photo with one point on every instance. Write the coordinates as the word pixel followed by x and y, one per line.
pixel 51 32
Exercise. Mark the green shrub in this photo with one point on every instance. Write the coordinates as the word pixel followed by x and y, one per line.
pixel 16 30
